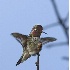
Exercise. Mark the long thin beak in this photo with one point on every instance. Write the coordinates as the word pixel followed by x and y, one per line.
pixel 44 32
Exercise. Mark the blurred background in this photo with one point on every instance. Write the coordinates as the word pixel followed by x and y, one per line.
pixel 20 16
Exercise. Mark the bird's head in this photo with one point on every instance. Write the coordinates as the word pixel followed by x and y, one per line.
pixel 36 31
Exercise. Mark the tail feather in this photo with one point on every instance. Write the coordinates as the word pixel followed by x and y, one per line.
pixel 19 61
pixel 23 58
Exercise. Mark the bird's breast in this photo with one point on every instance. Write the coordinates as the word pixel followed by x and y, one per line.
pixel 33 45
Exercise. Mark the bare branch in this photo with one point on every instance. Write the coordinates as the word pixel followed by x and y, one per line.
pixel 67 17
pixel 65 58
pixel 55 24
pixel 51 25
pixel 67 28
pixel 60 20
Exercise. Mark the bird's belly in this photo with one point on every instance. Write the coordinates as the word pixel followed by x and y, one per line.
pixel 33 53
pixel 32 49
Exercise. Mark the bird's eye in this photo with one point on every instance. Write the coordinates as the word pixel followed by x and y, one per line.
pixel 35 29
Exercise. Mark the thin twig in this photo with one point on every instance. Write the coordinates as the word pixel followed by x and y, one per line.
pixel 37 63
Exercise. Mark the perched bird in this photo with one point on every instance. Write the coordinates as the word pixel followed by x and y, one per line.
pixel 32 43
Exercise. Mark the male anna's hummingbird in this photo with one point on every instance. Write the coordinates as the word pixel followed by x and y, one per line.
pixel 32 43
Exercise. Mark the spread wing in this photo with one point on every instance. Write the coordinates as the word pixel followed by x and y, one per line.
pixel 22 39
pixel 47 40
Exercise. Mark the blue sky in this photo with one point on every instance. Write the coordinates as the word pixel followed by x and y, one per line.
pixel 20 16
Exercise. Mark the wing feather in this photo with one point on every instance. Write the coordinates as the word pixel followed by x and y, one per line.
pixel 47 40
pixel 22 39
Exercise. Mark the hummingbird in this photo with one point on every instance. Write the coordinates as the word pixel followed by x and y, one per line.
pixel 32 43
